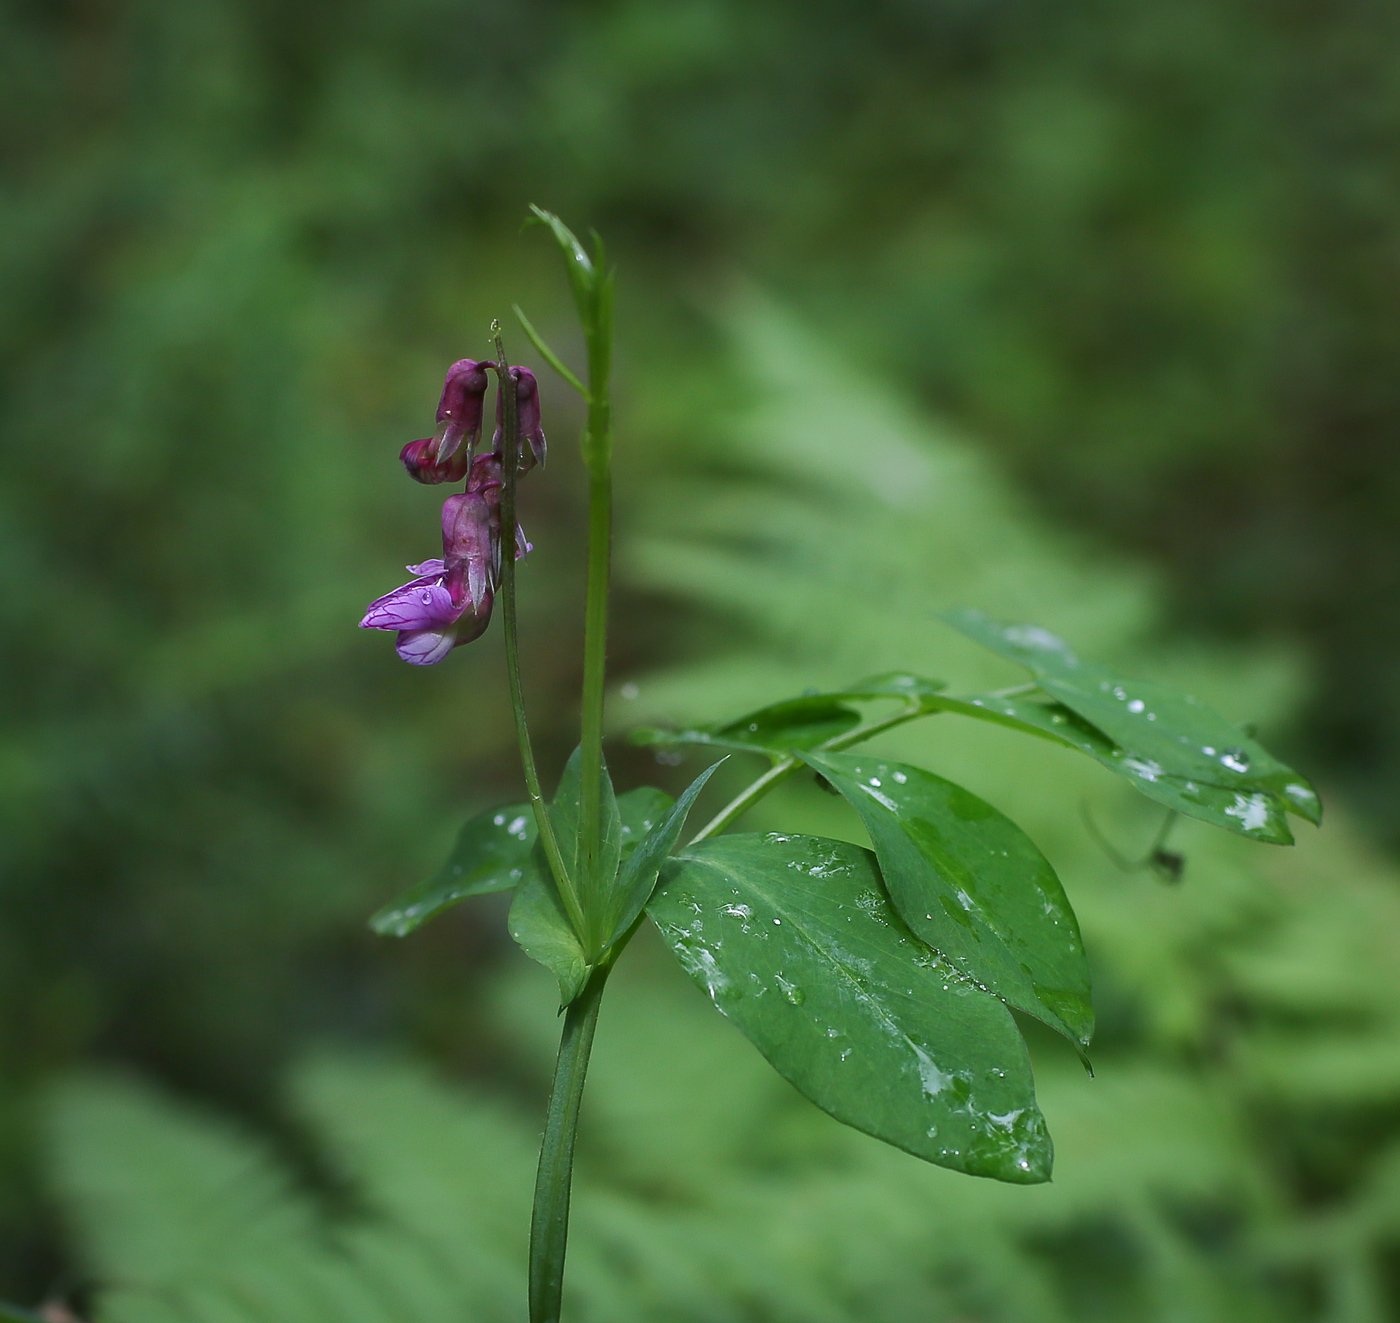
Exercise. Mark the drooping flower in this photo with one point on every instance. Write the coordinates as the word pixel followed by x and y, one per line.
pixel 446 456
pixel 448 602
pixel 533 447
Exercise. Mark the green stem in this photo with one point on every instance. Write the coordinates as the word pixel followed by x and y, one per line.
pixel 549 1223
pixel 597 449
pixel 510 465
pixel 786 766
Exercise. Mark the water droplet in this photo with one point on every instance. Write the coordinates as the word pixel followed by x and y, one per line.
pixel 1136 705
pixel 791 991
pixel 776 922
pixel 1235 759
pixel 630 691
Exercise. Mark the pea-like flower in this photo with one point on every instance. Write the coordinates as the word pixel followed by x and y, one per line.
pixel 446 456
pixel 448 602
pixel 533 447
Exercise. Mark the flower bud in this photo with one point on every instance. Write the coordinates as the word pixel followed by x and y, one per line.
pixel 533 447
pixel 447 454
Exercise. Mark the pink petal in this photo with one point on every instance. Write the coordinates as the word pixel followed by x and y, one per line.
pixel 425 647
pixel 427 569
pixel 421 604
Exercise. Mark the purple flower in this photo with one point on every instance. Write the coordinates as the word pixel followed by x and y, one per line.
pixel 446 456
pixel 449 601
pixel 533 447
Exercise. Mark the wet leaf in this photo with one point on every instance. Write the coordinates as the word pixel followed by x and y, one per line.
pixel 1173 747
pixel 637 878
pixel 492 853
pixel 795 723
pixel 795 940
pixel 893 684
pixel 973 885
pixel 640 810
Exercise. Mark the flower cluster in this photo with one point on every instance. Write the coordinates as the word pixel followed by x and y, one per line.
pixel 448 602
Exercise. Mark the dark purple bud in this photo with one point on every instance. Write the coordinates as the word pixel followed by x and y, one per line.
pixel 447 454
pixel 533 447
pixel 419 458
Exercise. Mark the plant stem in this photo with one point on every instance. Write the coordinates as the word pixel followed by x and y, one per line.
pixel 510 465
pixel 549 1223
pixel 597 451
pixel 786 766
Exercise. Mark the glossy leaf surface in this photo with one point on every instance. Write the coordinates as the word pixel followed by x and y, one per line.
pixel 637 878
pixel 538 920
pixel 640 810
pixel 795 723
pixel 1174 747
pixel 492 853
pixel 973 885
pixel 894 684
pixel 1261 817
pixel 795 940
pixel 541 928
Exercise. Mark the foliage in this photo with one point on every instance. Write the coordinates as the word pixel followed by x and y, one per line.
pixel 1230 1160
pixel 1141 250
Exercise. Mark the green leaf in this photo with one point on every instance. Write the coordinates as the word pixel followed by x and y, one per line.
pixel 640 810
pixel 1174 747
pixel 548 354
pixel 893 684
pixel 538 920
pixel 795 723
pixel 795 940
pixel 580 268
pixel 637 879
pixel 973 885
pixel 541 928
pixel 1262 817
pixel 563 814
pixel 492 854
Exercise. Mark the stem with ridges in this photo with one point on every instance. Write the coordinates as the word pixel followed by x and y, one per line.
pixel 597 452
pixel 549 1222
pixel 510 464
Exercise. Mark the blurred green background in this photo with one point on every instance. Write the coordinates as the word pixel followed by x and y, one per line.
pixel 1083 313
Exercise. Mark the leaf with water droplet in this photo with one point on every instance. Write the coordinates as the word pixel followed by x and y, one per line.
pixel 796 723
pixel 973 885
pixel 1171 746
pixel 492 853
pixel 885 1035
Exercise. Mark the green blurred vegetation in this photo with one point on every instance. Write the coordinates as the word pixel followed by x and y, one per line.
pixel 1143 253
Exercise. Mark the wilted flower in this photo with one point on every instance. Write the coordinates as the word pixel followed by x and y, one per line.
pixel 449 601
pixel 533 447
pixel 446 456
